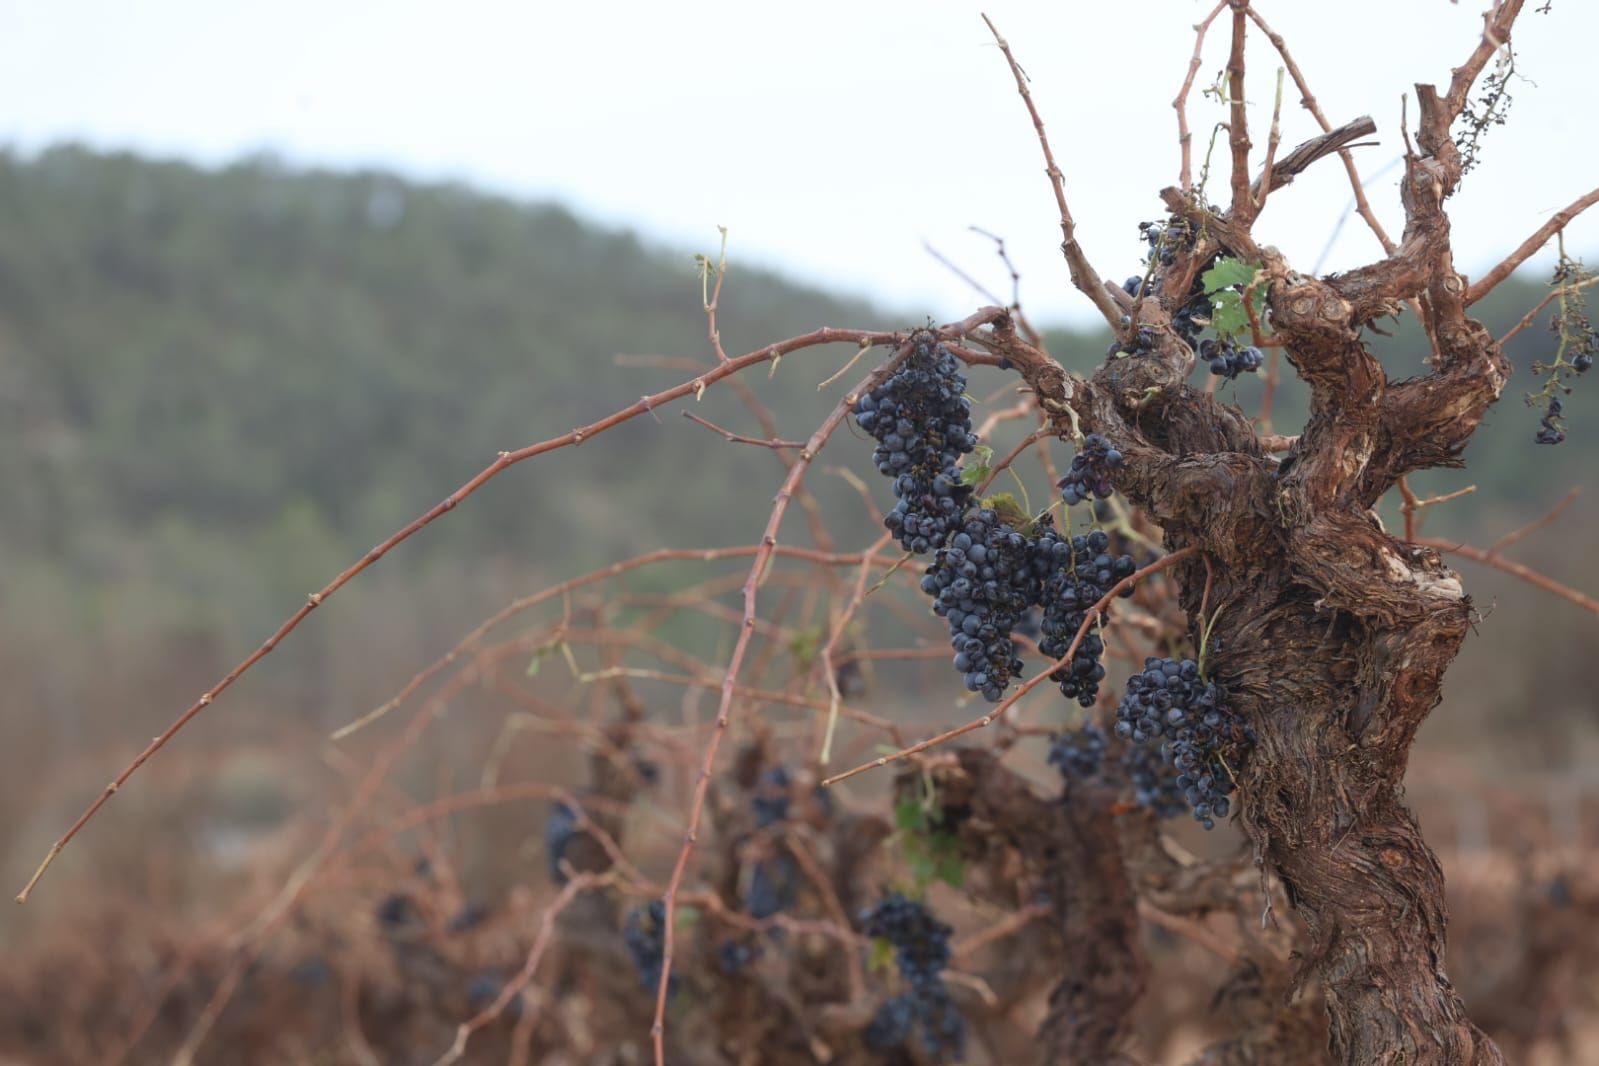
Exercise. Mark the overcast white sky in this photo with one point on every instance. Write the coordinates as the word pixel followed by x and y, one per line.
pixel 832 138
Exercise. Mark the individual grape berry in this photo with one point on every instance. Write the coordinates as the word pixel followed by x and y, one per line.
pixel 1090 473
pixel 1202 739
pixel 644 931
pixel 559 831
pixel 733 956
pixel 1078 753
pixel 1583 362
pixel 982 583
pixel 922 423
pixel 396 911
pixel 1074 575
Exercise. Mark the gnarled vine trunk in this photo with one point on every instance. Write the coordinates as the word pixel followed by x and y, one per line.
pixel 1331 635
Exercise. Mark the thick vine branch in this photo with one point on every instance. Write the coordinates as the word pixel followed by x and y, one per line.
pixel 1529 247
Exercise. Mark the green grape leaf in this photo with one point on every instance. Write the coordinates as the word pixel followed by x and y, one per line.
pixel 977 469
pixel 1228 273
pixel 1227 315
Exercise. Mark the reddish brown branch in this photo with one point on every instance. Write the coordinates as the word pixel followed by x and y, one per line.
pixel 1548 584
pixel 1529 247
pixel 1180 104
pixel 1243 208
pixel 1532 527
pixel 1308 99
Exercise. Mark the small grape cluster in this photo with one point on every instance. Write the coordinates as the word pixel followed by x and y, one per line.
pixel 1154 782
pixel 773 886
pixel 1227 359
pixel 1077 573
pixel 771 798
pixel 983 585
pixel 1193 315
pixel 922 423
pixel 1078 753
pixel 1551 431
pixel 921 952
pixel 1090 473
pixel 1165 239
pixel 644 931
pixel 733 956
pixel 1170 700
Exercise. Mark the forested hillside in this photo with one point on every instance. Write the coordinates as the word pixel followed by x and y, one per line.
pixel 218 387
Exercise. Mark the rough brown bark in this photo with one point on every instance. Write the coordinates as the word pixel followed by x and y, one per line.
pixel 1333 636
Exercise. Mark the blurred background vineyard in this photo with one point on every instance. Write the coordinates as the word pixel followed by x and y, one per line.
pixel 220 387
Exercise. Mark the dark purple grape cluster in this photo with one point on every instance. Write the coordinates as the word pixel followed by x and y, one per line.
pixel 1074 575
pixel 644 930
pixel 1078 753
pixel 922 423
pixel 943 1030
pixel 983 584
pixel 1154 782
pixel 921 952
pixel 1090 474
pixel 1552 432
pixel 1169 700
pixel 1227 359
pixel 1166 239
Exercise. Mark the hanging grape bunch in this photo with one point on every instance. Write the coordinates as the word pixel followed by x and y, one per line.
pixel 1076 574
pixel 1170 701
pixel 922 423
pixel 920 943
pixel 983 585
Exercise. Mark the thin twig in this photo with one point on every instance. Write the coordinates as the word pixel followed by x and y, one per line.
pixel 1548 584
pixel 734 438
pixel 695 387
pixel 1532 527
pixel 1087 280
pixel 730 680
pixel 513 987
pixel 1555 293
pixel 1184 137
pixel 1530 246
